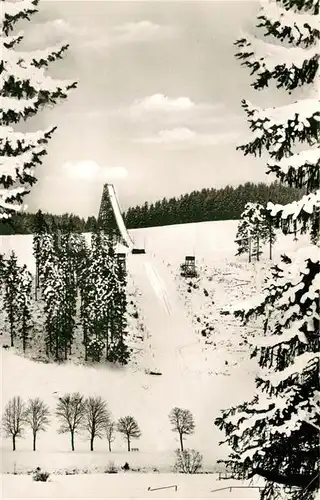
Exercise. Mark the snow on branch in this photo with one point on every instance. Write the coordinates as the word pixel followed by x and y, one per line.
pixel 38 58
pixel 11 201
pixel 291 67
pixel 298 160
pixel 301 365
pixel 305 207
pixel 13 143
pixel 11 12
pixel 277 129
pixel 299 169
pixel 297 27
pixel 8 42
pixel 11 167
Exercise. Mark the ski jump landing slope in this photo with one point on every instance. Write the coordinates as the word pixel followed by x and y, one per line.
pixel 171 345
pixel 118 215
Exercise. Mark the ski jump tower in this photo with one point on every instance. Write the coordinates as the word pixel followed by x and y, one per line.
pixel 110 216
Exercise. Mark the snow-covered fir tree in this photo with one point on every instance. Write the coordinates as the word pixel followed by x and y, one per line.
pixel 255 228
pixel 276 434
pixel 10 287
pixel 25 90
pixel 40 228
pixel 52 288
pixel 24 305
pixel 16 289
pixel 103 303
pixel 118 349
pixel 68 310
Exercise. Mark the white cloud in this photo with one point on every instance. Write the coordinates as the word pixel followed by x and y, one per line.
pixel 141 31
pixel 183 137
pixel 91 171
pixel 168 112
pixel 132 32
pixel 56 29
pixel 160 102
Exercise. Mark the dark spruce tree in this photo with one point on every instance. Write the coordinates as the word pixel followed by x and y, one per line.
pixel 276 434
pixel 10 287
pixel 24 305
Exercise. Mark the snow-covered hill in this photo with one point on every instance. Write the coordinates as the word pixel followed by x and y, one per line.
pixel 194 371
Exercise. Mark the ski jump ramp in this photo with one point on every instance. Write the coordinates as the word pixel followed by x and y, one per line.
pixel 118 215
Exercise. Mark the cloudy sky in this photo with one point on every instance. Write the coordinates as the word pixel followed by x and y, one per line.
pixel 157 110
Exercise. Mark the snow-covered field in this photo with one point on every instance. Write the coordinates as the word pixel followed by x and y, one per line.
pixel 127 485
pixel 201 373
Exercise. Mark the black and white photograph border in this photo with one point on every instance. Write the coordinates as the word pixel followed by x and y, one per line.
pixel 159 249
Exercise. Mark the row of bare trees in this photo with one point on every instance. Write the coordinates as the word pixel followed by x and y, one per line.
pixel 75 414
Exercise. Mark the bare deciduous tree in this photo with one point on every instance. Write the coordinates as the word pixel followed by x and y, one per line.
pixel 110 431
pixel 129 428
pixel 71 410
pixel 37 414
pixel 96 418
pixel 182 422
pixel 14 419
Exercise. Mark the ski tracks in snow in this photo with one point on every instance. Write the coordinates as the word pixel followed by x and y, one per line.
pixel 158 286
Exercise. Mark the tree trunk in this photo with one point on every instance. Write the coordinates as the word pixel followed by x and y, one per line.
pixel 13 442
pixel 270 244
pixel 128 439
pixel 109 445
pixel 91 443
pixel 11 333
pixel 181 442
pixel 85 341
pixel 57 345
pixel 258 248
pixel 36 282
pixel 72 440
pixel 34 441
pixel 107 335
pixel 24 334
pixel 249 245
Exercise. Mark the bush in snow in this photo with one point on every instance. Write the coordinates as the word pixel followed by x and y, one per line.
pixel 40 475
pixel 188 461
pixel 276 434
pixel 25 90
pixel 111 468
